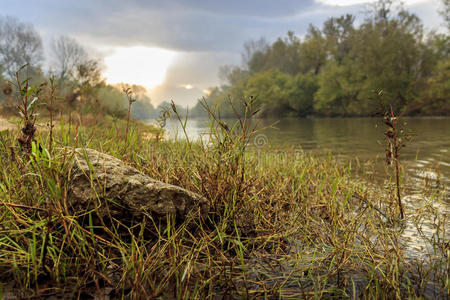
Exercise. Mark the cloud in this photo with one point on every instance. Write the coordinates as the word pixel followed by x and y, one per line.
pixel 189 25
pixel 180 95
pixel 356 2
pixel 198 69
pixel 179 25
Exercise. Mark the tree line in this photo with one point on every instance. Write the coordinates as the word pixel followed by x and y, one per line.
pixel 76 73
pixel 336 70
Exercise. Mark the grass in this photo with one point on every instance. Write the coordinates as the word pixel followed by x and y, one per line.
pixel 283 224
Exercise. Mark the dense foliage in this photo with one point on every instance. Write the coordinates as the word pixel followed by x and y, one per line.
pixel 335 70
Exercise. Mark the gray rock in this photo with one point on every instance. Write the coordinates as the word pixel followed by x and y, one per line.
pixel 102 182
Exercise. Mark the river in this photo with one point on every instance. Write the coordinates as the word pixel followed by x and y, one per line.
pixel 425 158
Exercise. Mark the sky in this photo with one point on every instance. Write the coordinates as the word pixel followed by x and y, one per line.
pixel 174 48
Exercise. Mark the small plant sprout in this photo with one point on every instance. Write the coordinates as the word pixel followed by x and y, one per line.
pixel 131 99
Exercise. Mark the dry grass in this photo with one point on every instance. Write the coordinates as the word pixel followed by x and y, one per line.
pixel 283 225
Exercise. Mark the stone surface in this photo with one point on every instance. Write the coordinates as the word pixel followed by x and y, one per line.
pixel 102 182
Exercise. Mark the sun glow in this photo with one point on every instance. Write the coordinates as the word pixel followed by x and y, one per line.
pixel 138 65
pixel 188 86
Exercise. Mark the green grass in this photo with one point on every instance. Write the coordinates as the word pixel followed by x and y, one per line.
pixel 283 225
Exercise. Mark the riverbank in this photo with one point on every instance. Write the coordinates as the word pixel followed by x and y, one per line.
pixel 282 224
pixel 5 124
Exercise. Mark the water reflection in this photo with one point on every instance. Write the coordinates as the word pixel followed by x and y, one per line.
pixel 426 158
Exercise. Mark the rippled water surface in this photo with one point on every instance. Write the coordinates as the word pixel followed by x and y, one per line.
pixel 425 157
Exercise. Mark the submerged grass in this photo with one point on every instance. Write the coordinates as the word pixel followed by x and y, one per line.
pixel 283 225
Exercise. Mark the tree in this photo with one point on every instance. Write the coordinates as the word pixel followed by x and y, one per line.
pixel 88 73
pixel 390 55
pixel 339 90
pixel 387 52
pixel 251 47
pixel 68 54
pixel 313 51
pixel 88 76
pixel 271 89
pixel 440 82
pixel 20 44
pixel 435 97
pixel 338 33
pixel 283 94
pixel 302 88
pixel 283 54
pixel 445 12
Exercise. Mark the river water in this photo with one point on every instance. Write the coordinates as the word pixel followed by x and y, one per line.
pixel 426 158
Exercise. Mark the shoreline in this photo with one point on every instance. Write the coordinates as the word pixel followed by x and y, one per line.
pixel 5 124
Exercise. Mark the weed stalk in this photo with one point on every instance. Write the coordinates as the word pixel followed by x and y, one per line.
pixel 395 137
pixel 50 108
pixel 28 97
pixel 131 99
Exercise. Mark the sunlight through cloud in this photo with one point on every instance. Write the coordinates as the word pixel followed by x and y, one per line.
pixel 138 65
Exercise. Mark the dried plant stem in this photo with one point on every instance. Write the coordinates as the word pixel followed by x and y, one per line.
pixel 395 138
pixel 128 120
pixel 50 110
pixel 131 99
pixel 396 162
